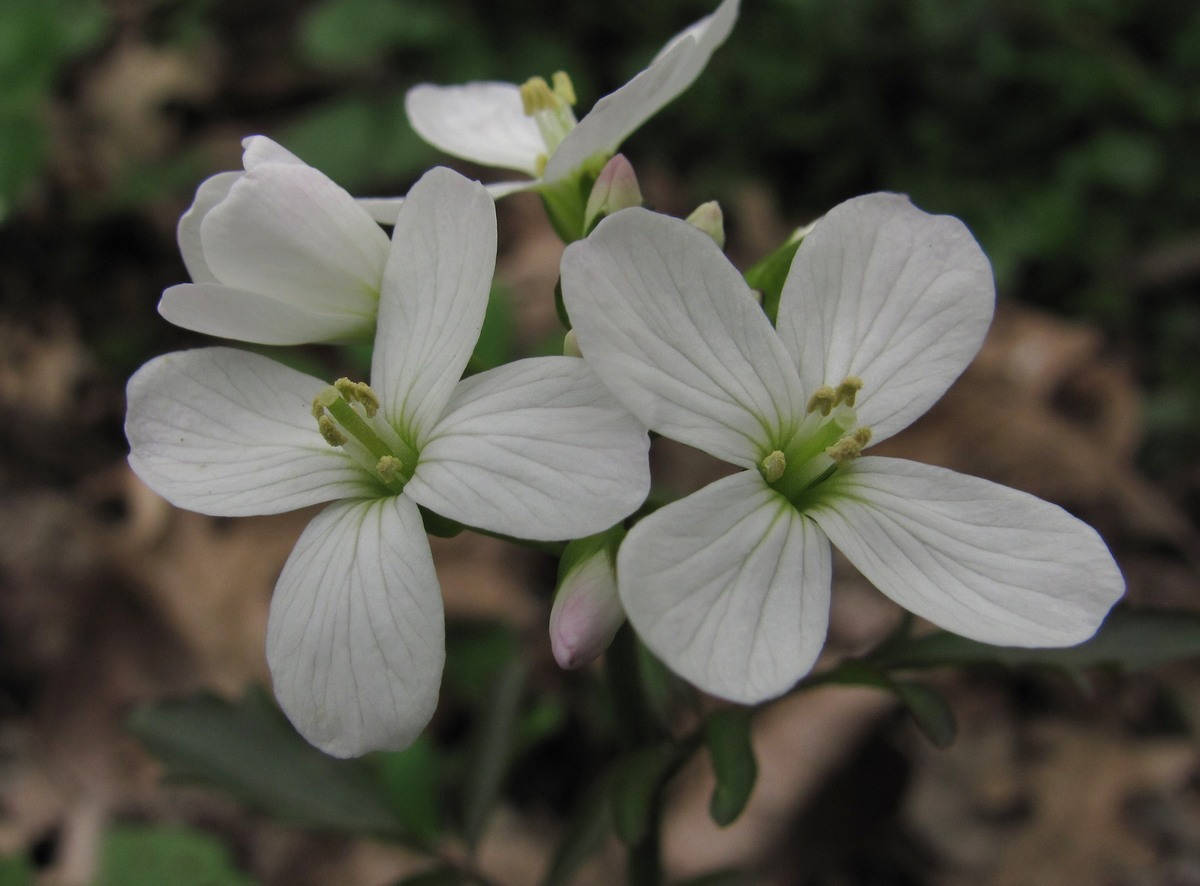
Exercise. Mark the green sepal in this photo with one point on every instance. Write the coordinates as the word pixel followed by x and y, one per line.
pixel 566 200
pixel 769 274
pixel 439 526
pixel 583 549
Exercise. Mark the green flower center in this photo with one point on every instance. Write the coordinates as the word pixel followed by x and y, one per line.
pixel 347 415
pixel 828 437
pixel 550 108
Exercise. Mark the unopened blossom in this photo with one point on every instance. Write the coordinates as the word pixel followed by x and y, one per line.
pixel 615 188
pixel 532 128
pixel 536 449
pixel 883 308
pixel 587 611
pixel 278 255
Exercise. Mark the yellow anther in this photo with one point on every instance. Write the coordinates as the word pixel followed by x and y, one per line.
pixel 330 431
pixel 848 390
pixel 537 96
pixel 563 88
pixel 844 449
pixel 318 408
pixel 773 466
pixel 824 398
pixel 389 468
pixel 862 436
pixel 358 392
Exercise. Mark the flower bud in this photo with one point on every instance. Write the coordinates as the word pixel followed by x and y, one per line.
pixel 709 218
pixel 616 188
pixel 571 344
pixel 587 611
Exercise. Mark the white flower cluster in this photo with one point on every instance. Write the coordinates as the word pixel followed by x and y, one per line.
pixel 883 308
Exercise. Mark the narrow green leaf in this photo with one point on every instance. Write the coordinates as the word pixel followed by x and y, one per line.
pixel 492 748
pixel 929 711
pixel 634 790
pixel 727 734
pixel 1128 641
pixel 249 749
pixel 585 834
pixel 924 704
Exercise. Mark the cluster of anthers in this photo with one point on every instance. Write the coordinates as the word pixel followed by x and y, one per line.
pixel 346 416
pixel 829 436
pixel 550 108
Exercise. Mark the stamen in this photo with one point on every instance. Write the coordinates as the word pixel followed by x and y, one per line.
pixel 845 449
pixel 824 399
pixel 563 88
pixel 848 390
pixel 862 436
pixel 537 96
pixel 773 466
pixel 389 468
pixel 330 431
pixel 358 392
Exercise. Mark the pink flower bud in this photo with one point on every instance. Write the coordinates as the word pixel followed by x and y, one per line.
pixel 586 611
pixel 616 188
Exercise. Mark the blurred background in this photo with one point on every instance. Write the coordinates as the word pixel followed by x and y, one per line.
pixel 1065 133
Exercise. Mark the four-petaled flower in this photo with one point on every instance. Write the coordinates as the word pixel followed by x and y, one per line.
pixel 532 129
pixel 883 308
pixel 278 255
pixel 537 449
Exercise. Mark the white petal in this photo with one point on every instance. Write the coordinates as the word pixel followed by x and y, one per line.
pixel 286 230
pixel 899 298
pixel 482 122
pixel 672 329
pixel 253 317
pixel 977 558
pixel 616 116
pixel 435 293
pixel 211 192
pixel 258 149
pixel 356 637
pixel 730 588
pixel 382 209
pixel 535 449
pixel 229 433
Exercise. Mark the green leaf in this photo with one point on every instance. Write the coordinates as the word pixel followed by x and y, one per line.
pixel 413 780
pixel 15 871
pixel 634 790
pixel 354 33
pixel 492 748
pixel 727 734
pixel 137 855
pixel 1129 641
pixel 250 750
pixel 585 834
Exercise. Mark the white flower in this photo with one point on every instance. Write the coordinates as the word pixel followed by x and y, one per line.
pixel 537 449
pixel 278 255
pixel 883 308
pixel 532 129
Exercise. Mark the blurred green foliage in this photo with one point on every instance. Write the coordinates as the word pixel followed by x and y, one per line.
pixel 143 855
pixel 37 38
